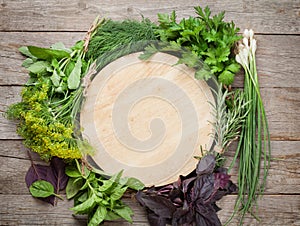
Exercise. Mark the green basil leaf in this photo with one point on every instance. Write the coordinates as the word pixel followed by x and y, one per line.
pixel 75 76
pixel 73 187
pixel 98 216
pixel 72 171
pixel 69 67
pixel 111 183
pixel 86 206
pixel 118 192
pixel 47 53
pixel 107 184
pixel 100 172
pixel 123 181
pixel 124 212
pixel 78 45
pixel 55 78
pixel 135 184
pixel 55 63
pixel 83 197
pixel 60 46
pixel 27 62
pixel 39 67
pixel 110 216
pixel 116 178
pixel 24 50
pixel 41 189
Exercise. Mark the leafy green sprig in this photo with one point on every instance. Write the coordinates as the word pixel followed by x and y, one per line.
pixel 98 196
pixel 211 39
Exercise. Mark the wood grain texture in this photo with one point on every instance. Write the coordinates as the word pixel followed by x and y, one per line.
pixel 284 171
pixel 25 210
pixel 282 106
pixel 278 72
pixel 265 16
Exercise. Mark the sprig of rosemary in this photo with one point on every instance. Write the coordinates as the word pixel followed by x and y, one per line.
pixel 228 118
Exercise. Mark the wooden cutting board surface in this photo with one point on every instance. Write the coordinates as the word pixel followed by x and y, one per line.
pixel 148 118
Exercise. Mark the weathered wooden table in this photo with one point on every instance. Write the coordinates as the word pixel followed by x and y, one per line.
pixel 42 23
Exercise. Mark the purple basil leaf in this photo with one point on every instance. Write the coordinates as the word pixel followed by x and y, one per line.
pixel 161 206
pixel 165 190
pixel 204 187
pixel 139 197
pixel 39 172
pixel 206 165
pixel 230 187
pixel 58 169
pixel 34 173
pixel 55 174
pixel 155 220
pixel 177 197
pixel 206 214
pixel 221 180
pixel 187 184
pixel 183 217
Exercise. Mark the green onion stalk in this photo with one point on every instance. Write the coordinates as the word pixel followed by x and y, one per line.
pixel 254 143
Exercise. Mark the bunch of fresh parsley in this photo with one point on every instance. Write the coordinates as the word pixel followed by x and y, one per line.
pixel 211 39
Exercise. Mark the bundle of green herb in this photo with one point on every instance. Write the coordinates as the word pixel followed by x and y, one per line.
pixel 229 112
pixel 97 196
pixel 110 35
pixel 254 143
pixel 211 39
pixel 51 100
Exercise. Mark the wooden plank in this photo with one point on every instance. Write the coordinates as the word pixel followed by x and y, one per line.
pixel 282 106
pixel 265 16
pixel 276 67
pixel 25 210
pixel 281 150
pixel 283 175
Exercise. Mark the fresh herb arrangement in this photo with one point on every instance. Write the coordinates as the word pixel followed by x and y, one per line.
pixel 52 98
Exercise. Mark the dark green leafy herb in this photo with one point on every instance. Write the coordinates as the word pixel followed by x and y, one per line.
pixel 211 39
pixel 202 71
pixel 97 196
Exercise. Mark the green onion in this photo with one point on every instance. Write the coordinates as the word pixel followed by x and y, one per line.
pixel 254 142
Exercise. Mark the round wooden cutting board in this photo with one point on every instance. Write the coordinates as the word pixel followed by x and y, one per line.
pixel 148 118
